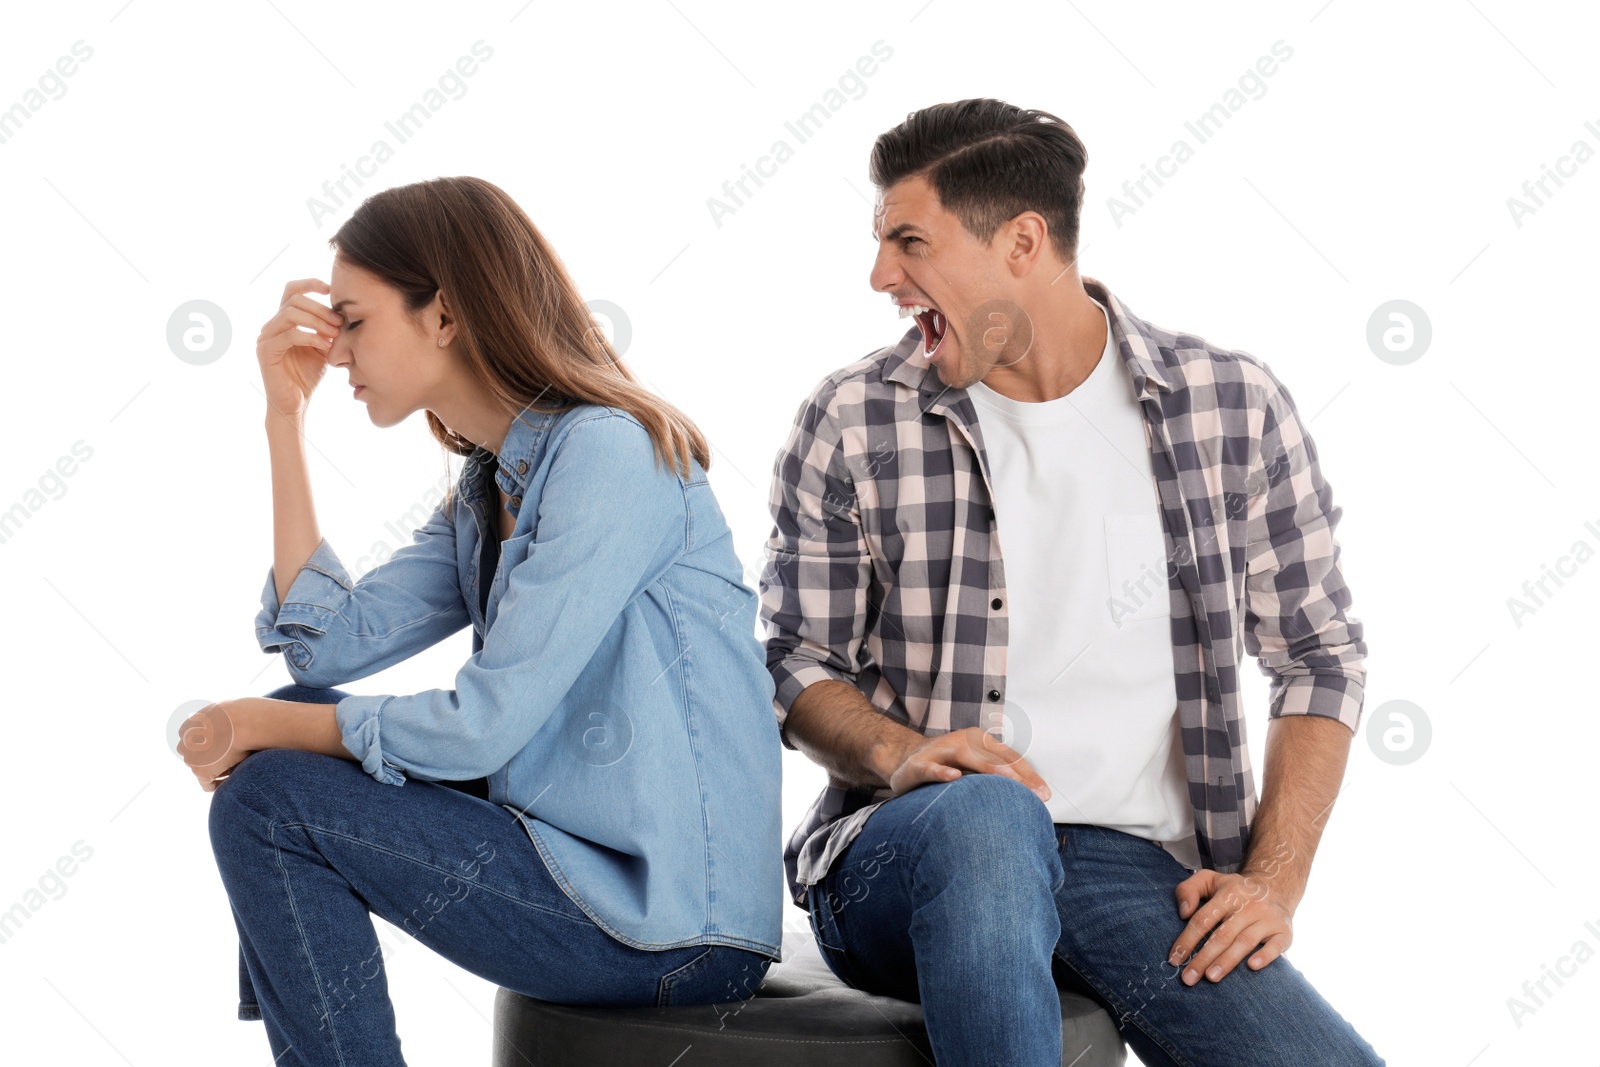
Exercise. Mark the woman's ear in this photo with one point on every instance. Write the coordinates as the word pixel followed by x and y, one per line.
pixel 447 321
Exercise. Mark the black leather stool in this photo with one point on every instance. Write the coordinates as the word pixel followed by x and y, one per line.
pixel 801 1015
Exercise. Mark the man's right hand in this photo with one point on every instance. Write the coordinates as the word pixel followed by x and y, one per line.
pixel 946 757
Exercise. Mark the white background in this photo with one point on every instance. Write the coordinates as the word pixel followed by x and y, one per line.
pixel 178 164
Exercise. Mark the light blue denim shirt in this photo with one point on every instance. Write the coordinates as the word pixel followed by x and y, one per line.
pixel 616 699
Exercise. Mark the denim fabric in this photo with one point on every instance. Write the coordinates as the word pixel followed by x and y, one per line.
pixel 616 699
pixel 965 896
pixel 308 845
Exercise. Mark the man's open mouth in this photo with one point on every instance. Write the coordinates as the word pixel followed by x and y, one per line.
pixel 932 323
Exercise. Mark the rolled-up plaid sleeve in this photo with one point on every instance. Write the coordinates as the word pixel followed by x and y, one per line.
pixel 814 581
pixel 1296 621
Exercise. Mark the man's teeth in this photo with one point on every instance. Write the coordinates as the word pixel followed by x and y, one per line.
pixel 908 310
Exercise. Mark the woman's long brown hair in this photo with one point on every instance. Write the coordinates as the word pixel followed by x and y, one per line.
pixel 521 326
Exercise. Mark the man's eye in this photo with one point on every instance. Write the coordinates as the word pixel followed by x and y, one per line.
pixel 906 241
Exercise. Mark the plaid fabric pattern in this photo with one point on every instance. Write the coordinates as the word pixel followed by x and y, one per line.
pixel 883 569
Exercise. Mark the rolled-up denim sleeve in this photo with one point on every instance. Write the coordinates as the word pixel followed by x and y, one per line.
pixel 359 718
pixel 610 522
pixel 311 608
pixel 332 630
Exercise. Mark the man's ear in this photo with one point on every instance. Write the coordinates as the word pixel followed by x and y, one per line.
pixel 1026 236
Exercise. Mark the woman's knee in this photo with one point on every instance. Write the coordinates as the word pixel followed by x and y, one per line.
pixel 267 788
pixel 258 779
pixel 236 807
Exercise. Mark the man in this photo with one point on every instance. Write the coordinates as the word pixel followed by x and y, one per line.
pixel 1037 763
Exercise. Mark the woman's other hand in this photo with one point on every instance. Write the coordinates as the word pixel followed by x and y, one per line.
pixel 208 743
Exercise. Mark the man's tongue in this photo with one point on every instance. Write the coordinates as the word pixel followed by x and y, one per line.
pixel 932 324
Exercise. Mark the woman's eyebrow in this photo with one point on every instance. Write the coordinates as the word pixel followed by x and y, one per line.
pixel 341 304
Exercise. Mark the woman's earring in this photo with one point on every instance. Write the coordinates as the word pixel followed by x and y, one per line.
pixel 441 341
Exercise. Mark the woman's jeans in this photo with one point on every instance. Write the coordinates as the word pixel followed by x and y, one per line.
pixel 965 896
pixel 308 844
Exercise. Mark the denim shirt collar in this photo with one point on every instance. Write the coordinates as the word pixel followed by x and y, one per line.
pixel 518 457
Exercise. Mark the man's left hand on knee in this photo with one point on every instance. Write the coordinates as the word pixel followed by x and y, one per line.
pixel 1242 912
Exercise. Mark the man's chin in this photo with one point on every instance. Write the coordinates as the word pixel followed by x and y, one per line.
pixel 951 374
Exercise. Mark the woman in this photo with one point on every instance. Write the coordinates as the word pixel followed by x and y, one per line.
pixel 591 814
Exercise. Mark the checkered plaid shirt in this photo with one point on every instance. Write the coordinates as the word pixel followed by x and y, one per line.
pixel 883 569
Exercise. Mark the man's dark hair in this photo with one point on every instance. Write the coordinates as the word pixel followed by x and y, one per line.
pixel 989 161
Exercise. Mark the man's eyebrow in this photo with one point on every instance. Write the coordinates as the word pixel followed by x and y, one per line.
pixel 894 234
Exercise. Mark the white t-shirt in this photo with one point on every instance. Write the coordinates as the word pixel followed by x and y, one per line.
pixel 1091 697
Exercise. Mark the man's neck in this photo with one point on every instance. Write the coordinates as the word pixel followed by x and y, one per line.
pixel 1069 336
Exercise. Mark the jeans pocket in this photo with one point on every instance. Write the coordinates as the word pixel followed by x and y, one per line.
pixel 721 974
pixel 674 982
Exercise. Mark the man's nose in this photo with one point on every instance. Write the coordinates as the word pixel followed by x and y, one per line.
pixel 885 274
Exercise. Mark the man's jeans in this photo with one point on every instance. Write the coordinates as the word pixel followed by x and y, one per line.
pixel 308 844
pixel 965 896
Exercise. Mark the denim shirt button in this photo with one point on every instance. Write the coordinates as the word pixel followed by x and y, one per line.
pixel 522 466
pixel 516 501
